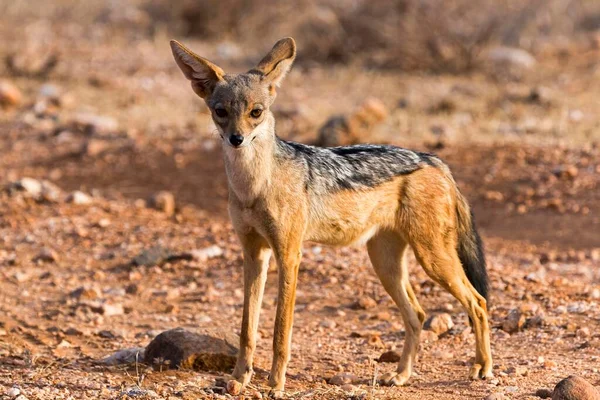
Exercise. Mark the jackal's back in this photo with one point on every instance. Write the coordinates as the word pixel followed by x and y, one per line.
pixel 352 167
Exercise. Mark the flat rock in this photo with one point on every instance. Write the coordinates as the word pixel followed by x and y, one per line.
pixel 204 350
pixel 343 378
pixel 575 388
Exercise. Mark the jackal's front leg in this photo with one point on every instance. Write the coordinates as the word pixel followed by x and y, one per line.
pixel 256 263
pixel 288 260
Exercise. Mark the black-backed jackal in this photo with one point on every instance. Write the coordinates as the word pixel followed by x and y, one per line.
pixel 283 193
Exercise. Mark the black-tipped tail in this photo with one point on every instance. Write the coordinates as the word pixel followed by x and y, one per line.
pixel 470 250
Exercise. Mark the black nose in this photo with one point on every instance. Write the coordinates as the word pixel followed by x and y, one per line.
pixel 236 140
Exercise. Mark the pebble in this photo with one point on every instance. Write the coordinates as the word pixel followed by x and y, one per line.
pixel 79 198
pixel 343 378
pixel 10 95
pixel 206 253
pixel 46 255
pixel 496 396
pixel 514 321
pixel 328 323
pixel 91 123
pixel 163 201
pixel 110 309
pixel 364 303
pixel 439 323
pixel 13 392
pixel 125 356
pixel 389 357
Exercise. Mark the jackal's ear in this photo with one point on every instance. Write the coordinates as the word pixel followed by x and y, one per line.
pixel 275 65
pixel 203 74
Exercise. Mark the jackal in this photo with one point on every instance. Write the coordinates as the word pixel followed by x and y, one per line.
pixel 284 193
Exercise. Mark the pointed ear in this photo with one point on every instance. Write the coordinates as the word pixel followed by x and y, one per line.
pixel 203 74
pixel 275 65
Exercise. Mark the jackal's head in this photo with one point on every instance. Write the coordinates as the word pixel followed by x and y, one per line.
pixel 239 103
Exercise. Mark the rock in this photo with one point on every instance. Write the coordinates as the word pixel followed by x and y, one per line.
pixel 234 387
pixel 112 309
pixel 13 392
pixel 428 336
pixel 328 324
pixel 206 350
pixel 125 356
pixel 79 198
pixel 10 95
pixel 153 256
pixel 364 303
pixel 575 388
pixel 439 323
pixel 46 255
pixel 517 371
pixel 389 357
pixel 163 201
pixel 511 57
pixel 95 147
pixel 32 187
pixel 206 253
pixel 95 124
pixel 496 396
pixel 514 321
pixel 85 293
pixel 543 393
pixel 343 378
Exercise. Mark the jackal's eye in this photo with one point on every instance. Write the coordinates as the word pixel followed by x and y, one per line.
pixel 221 112
pixel 257 112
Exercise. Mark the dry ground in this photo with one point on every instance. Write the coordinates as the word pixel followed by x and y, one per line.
pixel 530 165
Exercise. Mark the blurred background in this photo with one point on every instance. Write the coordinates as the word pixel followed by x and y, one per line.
pixel 506 91
pixel 113 194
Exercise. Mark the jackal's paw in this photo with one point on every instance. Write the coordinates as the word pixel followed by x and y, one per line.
pixel 394 379
pixel 479 371
pixel 276 394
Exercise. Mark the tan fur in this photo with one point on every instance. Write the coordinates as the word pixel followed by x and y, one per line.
pixel 272 214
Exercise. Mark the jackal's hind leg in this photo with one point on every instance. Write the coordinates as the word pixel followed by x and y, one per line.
pixel 387 252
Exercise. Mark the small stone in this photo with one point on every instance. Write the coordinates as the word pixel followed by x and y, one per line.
pixel 496 396
pixel 206 253
pixel 518 371
pixel 549 364
pixel 348 387
pixel 95 124
pixel 583 332
pixel 207 350
pixel 439 323
pixel 543 393
pixel 364 303
pixel 153 256
pixel 85 293
pixel 125 356
pixel 79 198
pixel 442 355
pixel 575 388
pixel 21 397
pixel 10 95
pixel 328 324
pixel 109 309
pixel 254 394
pixel 429 336
pixel 389 357
pixel 514 321
pixel 163 201
pixel 234 387
pixel 95 147
pixel 343 378
pixel 32 187
pixel 46 255
pixel 13 392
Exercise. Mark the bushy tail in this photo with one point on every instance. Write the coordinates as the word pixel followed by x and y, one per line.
pixel 470 248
